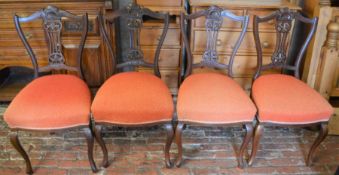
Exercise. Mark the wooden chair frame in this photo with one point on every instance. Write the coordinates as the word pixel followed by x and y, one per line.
pixel 134 15
pixel 214 18
pixel 284 18
pixel 51 17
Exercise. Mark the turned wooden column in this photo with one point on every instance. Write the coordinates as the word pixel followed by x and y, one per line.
pixel 323 10
pixel 329 60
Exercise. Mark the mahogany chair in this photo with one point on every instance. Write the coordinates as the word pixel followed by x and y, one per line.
pixel 133 99
pixel 284 100
pixel 213 99
pixel 52 102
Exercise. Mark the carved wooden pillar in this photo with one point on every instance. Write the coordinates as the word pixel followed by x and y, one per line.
pixel 328 62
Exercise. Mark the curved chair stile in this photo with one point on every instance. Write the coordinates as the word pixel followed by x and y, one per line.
pixel 313 111
pixel 22 113
pixel 206 83
pixel 143 86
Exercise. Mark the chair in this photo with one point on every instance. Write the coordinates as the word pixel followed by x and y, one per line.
pixel 52 102
pixel 213 99
pixel 133 99
pixel 284 100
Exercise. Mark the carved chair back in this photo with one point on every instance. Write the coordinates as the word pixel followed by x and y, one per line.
pixel 52 24
pixel 283 25
pixel 214 18
pixel 134 15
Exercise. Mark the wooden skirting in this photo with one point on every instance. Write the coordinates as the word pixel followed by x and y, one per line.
pixel 334 123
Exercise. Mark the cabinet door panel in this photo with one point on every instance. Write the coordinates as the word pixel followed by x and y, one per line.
pixel 168 57
pixel 227 40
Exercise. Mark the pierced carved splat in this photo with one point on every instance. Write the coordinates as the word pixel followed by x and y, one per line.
pixel 214 20
pixel 134 24
pixel 283 26
pixel 134 14
pixel 52 25
pixel 284 19
pixel 213 24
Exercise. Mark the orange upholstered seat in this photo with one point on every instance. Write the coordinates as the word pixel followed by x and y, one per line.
pixel 50 102
pixel 133 98
pixel 213 98
pixel 287 100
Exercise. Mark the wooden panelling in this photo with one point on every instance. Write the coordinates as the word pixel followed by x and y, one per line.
pixel 161 3
pixel 151 37
pixel 227 39
pixel 168 57
pixel 96 62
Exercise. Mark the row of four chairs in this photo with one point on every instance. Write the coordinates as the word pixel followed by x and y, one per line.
pixel 58 102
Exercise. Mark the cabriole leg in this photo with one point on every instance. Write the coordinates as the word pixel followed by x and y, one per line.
pixel 98 137
pixel 255 145
pixel 322 135
pixel 243 148
pixel 169 139
pixel 16 144
pixel 90 144
pixel 178 140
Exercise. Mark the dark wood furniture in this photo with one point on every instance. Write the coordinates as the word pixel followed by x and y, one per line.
pixel 171 52
pixel 96 64
pixel 47 103
pixel 244 65
pixel 212 99
pixel 133 99
pixel 284 100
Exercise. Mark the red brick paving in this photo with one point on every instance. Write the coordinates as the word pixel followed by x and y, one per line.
pixel 207 150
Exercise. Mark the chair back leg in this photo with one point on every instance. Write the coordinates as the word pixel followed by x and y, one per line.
pixel 255 145
pixel 243 148
pixel 16 144
pixel 98 137
pixel 169 139
pixel 322 135
pixel 90 144
pixel 178 140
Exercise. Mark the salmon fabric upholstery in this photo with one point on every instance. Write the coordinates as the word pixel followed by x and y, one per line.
pixel 213 98
pixel 133 98
pixel 50 102
pixel 286 100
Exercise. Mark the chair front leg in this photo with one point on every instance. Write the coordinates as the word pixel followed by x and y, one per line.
pixel 178 140
pixel 16 144
pixel 98 137
pixel 90 145
pixel 255 145
pixel 247 139
pixel 322 135
pixel 169 140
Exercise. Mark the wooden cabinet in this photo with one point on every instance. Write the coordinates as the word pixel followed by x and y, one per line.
pixel 13 53
pixel 246 60
pixel 171 52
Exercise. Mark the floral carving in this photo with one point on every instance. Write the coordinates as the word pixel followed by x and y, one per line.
pixel 213 24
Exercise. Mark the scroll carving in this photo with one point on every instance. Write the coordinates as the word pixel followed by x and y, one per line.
pixel 134 24
pixel 213 24
pixel 283 26
pixel 53 25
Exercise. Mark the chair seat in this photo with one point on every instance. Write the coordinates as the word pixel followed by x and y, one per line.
pixel 50 102
pixel 284 99
pixel 213 98
pixel 133 98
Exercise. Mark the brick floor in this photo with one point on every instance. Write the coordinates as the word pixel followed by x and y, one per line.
pixel 207 150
